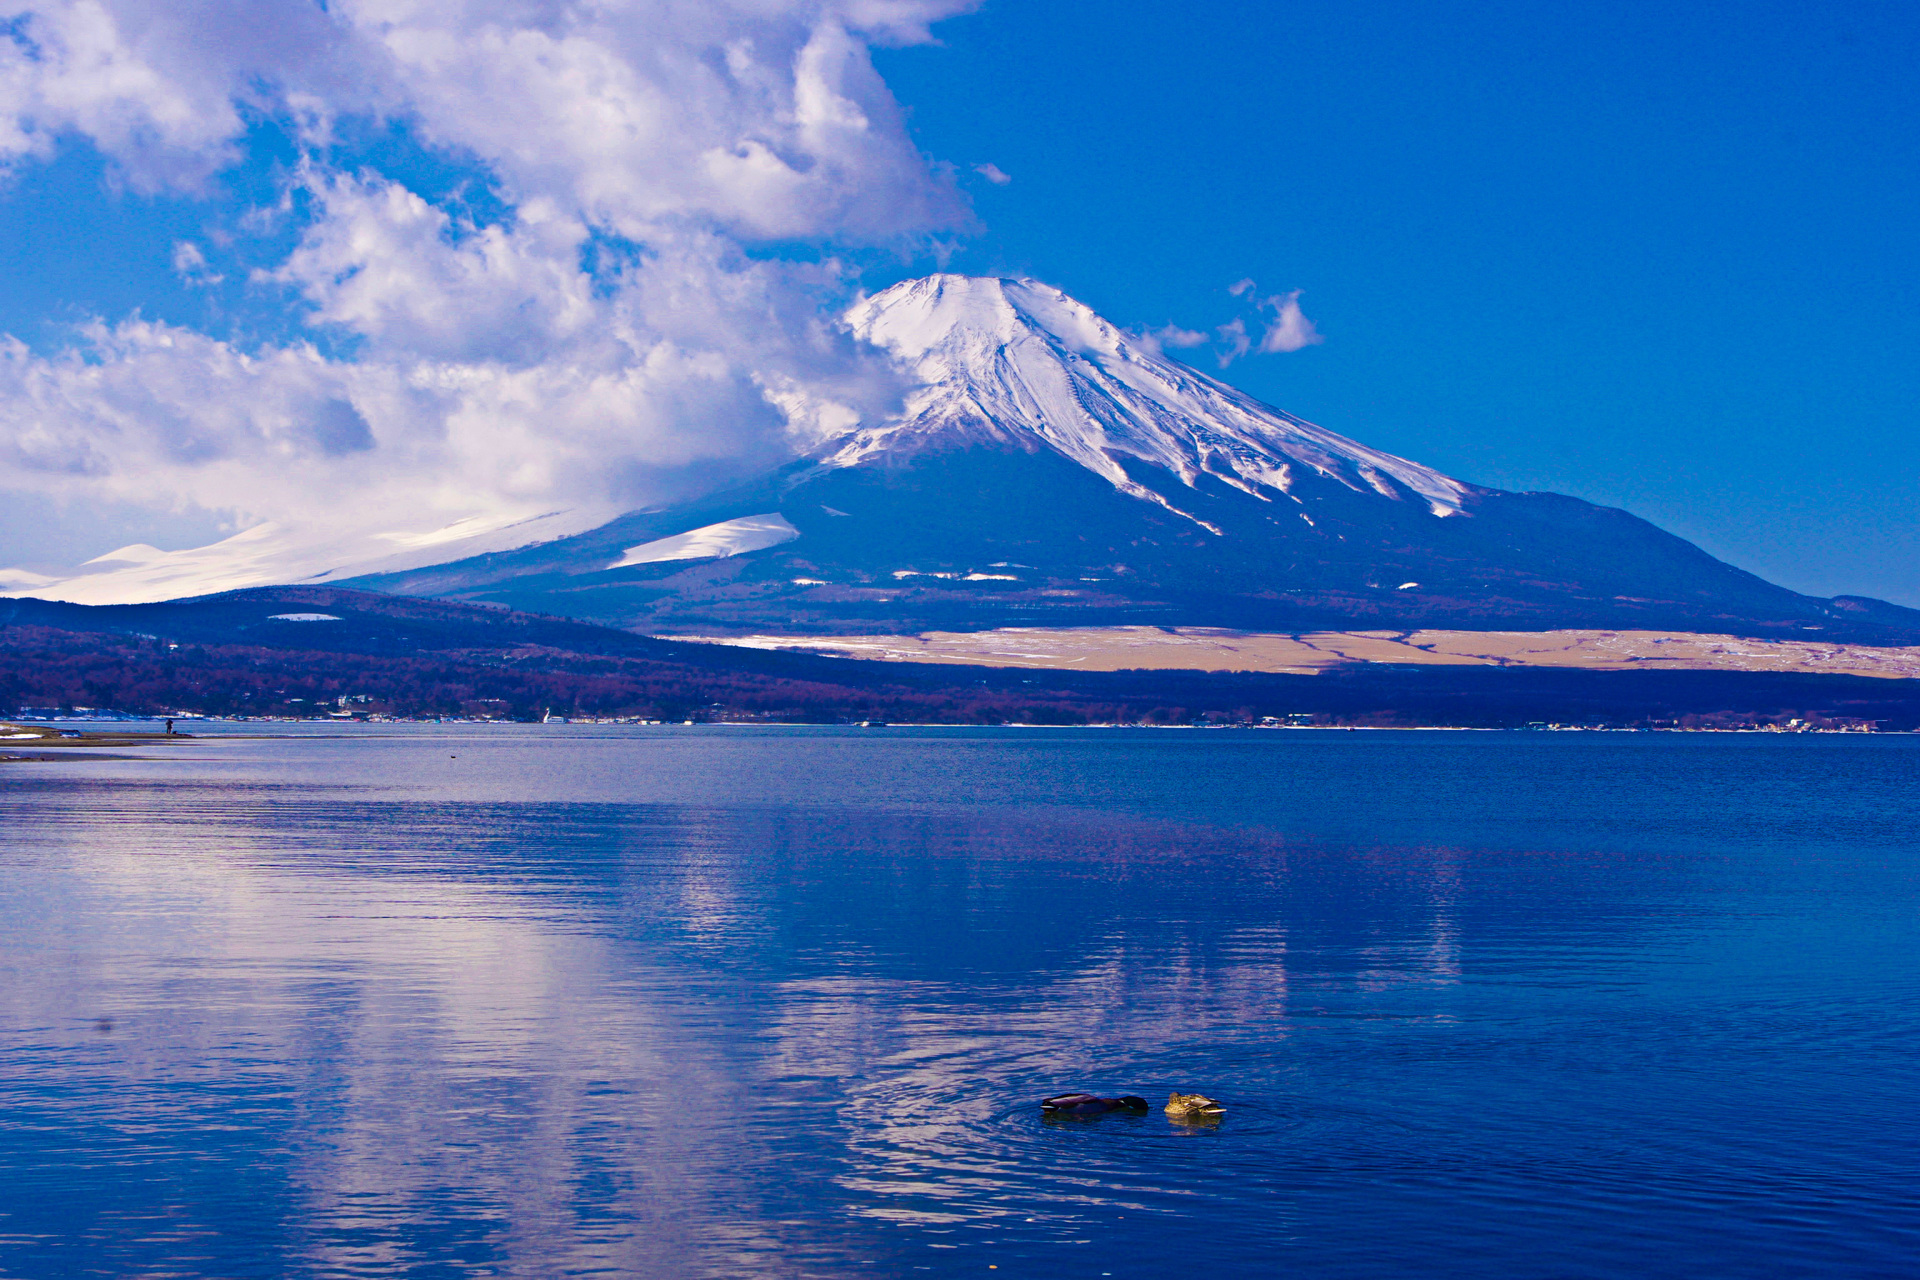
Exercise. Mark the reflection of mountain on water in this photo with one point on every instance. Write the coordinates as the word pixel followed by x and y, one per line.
pixel 976 898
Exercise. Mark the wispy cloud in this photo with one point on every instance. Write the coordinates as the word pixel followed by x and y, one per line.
pixel 190 264
pixel 1171 335
pixel 1234 342
pixel 1282 327
pixel 1290 330
pixel 993 173
pixel 1285 326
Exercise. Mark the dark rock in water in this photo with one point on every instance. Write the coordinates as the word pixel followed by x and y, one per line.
pixel 1088 1104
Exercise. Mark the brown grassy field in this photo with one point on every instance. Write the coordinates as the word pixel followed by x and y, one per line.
pixel 1212 649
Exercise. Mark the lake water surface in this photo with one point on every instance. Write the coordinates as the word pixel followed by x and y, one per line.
pixel 695 1001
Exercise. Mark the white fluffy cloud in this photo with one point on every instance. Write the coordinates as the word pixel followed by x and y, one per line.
pixel 489 368
pixel 1287 328
pixel 1290 329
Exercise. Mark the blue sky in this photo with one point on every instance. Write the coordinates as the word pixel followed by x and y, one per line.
pixel 1656 256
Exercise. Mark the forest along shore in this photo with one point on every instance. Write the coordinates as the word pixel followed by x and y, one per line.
pixel 237 655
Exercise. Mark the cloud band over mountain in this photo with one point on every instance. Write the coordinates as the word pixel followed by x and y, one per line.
pixel 613 324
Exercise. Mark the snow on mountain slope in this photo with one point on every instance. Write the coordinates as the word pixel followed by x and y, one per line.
pixel 269 555
pixel 1078 418
pixel 1049 469
pixel 1016 360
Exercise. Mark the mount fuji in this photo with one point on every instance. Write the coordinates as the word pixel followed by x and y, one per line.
pixel 1050 469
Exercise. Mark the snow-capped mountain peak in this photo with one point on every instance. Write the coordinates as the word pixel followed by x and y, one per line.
pixel 1017 361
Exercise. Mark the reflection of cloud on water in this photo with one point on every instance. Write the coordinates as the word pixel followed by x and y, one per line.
pixel 448 1068
pixel 665 1039
pixel 1429 952
pixel 1442 958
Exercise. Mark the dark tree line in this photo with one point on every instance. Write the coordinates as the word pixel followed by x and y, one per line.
pixel 50 667
pixel 44 667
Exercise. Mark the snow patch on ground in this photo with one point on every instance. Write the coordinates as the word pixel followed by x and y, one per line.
pixel 714 541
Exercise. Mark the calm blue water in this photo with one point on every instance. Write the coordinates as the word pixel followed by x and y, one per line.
pixel 473 1000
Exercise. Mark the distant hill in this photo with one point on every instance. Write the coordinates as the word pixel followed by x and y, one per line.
pixel 299 650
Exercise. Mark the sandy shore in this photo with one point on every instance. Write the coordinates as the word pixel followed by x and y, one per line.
pixel 20 743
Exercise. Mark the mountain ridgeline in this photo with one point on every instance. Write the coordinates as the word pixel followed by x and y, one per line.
pixel 1051 470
